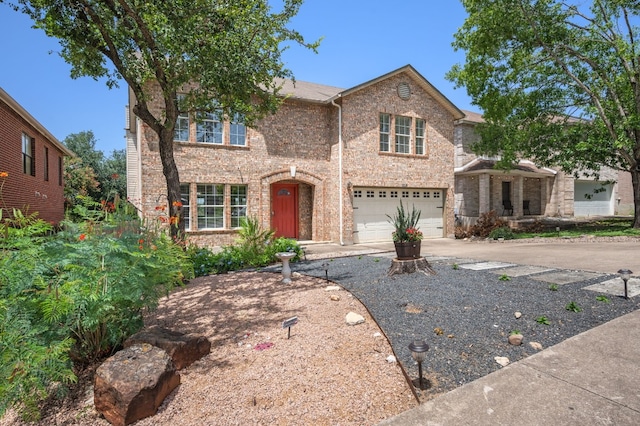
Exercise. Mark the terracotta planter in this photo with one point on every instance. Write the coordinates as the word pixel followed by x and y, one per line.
pixel 409 250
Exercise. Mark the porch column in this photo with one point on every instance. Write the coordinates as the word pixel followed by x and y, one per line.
pixel 544 195
pixel 484 193
pixel 518 196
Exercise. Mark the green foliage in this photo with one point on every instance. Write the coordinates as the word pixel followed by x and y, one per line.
pixel 543 320
pixel 504 277
pixel 604 299
pixel 405 224
pixel 514 332
pixel 553 287
pixel 455 266
pixel 502 232
pixel 548 92
pixel 75 295
pixel 573 307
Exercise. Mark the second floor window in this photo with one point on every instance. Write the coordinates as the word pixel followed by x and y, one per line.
pixel 46 163
pixel 209 129
pixel 407 133
pixel 181 131
pixel 28 154
pixel 237 131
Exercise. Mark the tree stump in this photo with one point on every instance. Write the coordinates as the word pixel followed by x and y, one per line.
pixel 410 266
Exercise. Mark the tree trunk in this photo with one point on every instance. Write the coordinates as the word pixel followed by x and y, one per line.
pixel 170 171
pixel 635 180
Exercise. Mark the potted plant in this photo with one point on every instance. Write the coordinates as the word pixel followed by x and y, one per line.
pixel 406 235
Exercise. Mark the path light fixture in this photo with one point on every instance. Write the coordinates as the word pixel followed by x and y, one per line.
pixel 419 350
pixel 325 266
pixel 625 274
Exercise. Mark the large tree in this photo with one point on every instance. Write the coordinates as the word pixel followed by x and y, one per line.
pixel 558 82
pixel 230 49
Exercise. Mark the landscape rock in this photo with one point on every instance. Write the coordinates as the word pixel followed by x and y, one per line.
pixel 334 297
pixel 515 339
pixel 184 349
pixel 517 315
pixel 535 345
pixel 332 288
pixel 354 319
pixel 132 384
pixel 391 359
pixel 502 360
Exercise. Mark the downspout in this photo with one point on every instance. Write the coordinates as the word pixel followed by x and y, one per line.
pixel 340 215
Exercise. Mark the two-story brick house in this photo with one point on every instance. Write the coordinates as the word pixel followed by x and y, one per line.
pixel 33 160
pixel 528 190
pixel 328 166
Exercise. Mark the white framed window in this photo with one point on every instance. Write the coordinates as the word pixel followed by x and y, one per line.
pixel 237 131
pixel 357 193
pixel 181 131
pixel 210 199
pixel 420 128
pixel 209 128
pixel 28 155
pixel 405 194
pixel 185 197
pixel 385 129
pixel 403 135
pixel 382 194
pixel 238 204
pixel 394 194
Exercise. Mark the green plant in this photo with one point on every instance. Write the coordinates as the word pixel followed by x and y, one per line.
pixel 553 287
pixel 502 232
pixel 572 306
pixel 514 332
pixel 543 320
pixel 604 299
pixel 486 223
pixel 504 277
pixel 405 225
pixel 455 266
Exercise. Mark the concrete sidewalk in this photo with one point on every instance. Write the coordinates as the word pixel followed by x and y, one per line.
pixel 590 379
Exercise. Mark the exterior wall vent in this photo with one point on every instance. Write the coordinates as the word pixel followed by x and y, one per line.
pixel 404 91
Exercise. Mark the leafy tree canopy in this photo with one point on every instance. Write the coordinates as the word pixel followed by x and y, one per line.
pixel 558 81
pixel 227 51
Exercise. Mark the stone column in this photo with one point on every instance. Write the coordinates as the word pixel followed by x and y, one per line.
pixel 518 193
pixel 484 193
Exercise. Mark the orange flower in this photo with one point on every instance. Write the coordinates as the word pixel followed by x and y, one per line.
pixel 162 219
pixel 140 247
pixel 115 176
pixel 140 241
pixel 82 237
pixel 173 220
pixel 160 208
pixel 177 204
pixel 3 174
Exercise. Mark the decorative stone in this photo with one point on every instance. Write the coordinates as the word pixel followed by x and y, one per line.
pixel 354 319
pixel 391 359
pixel 332 288
pixel 184 349
pixel 410 266
pixel 377 334
pixel 132 384
pixel 517 315
pixel 502 360
pixel 535 345
pixel 515 339
pixel 334 297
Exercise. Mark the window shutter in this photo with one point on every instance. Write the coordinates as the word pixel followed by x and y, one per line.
pixel 33 156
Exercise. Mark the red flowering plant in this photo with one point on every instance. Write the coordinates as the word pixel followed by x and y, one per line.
pixel 406 225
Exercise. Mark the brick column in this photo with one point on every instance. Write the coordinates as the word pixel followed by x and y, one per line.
pixel 484 193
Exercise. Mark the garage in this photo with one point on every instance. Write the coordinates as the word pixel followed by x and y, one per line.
pixel 592 198
pixel 372 205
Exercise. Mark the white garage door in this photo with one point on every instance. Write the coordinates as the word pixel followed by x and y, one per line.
pixel 372 205
pixel 592 198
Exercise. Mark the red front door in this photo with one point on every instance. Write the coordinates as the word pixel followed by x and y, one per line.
pixel 284 209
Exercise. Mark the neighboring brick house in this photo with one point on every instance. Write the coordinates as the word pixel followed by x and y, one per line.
pixel 328 166
pixel 528 190
pixel 34 161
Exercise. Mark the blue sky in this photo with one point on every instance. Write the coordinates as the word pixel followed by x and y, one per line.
pixel 363 39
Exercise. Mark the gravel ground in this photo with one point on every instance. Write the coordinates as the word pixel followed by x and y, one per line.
pixel 465 316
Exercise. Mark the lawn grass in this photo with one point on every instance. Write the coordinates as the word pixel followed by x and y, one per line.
pixel 609 227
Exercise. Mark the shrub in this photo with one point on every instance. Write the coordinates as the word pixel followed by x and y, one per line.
pixel 502 232
pixel 486 223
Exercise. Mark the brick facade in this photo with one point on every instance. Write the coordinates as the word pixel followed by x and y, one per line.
pixel 300 144
pixel 40 193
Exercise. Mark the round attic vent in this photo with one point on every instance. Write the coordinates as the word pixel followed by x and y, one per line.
pixel 404 91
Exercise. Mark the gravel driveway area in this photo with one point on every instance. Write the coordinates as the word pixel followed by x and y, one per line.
pixel 466 315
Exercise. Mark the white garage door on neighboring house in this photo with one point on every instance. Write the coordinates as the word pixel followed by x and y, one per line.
pixel 592 198
pixel 372 205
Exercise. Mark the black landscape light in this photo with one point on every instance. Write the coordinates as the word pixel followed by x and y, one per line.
pixel 325 266
pixel 625 274
pixel 419 350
